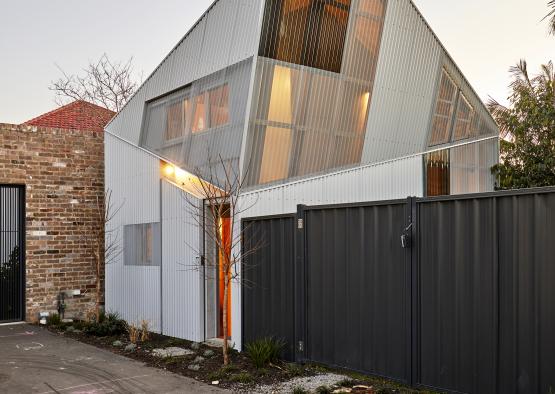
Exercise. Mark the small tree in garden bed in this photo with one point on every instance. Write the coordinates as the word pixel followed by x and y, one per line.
pixel 221 187
pixel 104 243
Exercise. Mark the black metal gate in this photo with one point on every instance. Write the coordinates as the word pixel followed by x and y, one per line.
pixel 12 253
pixel 451 293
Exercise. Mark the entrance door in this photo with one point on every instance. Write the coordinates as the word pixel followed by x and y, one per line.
pixel 12 253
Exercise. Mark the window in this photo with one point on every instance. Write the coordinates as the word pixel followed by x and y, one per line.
pixel 441 126
pixel 463 123
pixel 142 244
pixel 438 182
pixel 307 32
pixel 211 109
pixel 175 119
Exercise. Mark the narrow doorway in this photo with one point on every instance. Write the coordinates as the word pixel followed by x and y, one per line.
pixel 12 253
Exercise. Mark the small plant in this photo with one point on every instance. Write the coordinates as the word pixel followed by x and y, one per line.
pixel 109 325
pixel 299 390
pixel 294 370
pixel 145 333
pixel 347 382
pixel 54 320
pixel 243 377
pixel 264 351
pixel 133 332
pixel 323 390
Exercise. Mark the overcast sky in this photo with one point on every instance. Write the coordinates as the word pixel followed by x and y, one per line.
pixel 485 37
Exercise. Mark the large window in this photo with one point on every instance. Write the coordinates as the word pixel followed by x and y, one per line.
pixel 307 32
pixel 142 244
pixel 463 122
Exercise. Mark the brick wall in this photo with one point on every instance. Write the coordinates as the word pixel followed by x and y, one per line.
pixel 63 171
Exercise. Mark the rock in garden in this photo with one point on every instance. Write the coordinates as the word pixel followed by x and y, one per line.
pixel 194 367
pixel 70 329
pixel 172 352
pixel 195 346
pixel 208 353
pixel 198 359
pixel 117 343
pixel 76 331
pixel 131 347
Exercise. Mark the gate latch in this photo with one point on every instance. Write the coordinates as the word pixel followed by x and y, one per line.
pixel 300 223
pixel 406 238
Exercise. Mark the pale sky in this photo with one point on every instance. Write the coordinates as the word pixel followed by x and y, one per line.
pixel 484 37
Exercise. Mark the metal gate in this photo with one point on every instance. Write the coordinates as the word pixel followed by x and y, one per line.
pixel 358 288
pixel 268 281
pixel 12 253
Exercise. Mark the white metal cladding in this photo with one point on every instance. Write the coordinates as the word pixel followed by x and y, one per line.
pixel 405 85
pixel 132 176
pixel 182 281
pixel 226 34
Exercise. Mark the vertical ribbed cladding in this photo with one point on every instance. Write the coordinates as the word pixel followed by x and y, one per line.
pixel 182 298
pixel 226 34
pixel 132 176
pixel 201 124
pixel 471 167
pixel 309 114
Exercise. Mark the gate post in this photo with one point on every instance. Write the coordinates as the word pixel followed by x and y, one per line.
pixel 414 293
pixel 300 281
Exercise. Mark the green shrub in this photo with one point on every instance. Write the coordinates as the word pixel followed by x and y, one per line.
pixel 243 377
pixel 264 351
pixel 299 390
pixel 347 382
pixel 294 370
pixel 107 326
pixel 323 390
pixel 54 320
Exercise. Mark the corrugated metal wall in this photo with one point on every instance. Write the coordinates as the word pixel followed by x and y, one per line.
pixel 226 34
pixel 405 86
pixel 133 177
pixel 182 279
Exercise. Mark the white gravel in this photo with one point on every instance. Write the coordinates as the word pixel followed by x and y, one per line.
pixel 309 383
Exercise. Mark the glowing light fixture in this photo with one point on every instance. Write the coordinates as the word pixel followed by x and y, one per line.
pixel 168 169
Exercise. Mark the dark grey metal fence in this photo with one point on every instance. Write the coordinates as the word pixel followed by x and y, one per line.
pixel 464 303
pixel 12 253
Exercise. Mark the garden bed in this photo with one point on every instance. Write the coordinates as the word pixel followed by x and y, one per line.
pixel 240 376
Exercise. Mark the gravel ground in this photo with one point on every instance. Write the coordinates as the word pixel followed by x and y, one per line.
pixel 309 383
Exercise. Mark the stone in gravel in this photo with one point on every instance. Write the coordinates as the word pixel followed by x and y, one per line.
pixel 208 353
pixel 172 352
pixel 117 343
pixel 76 331
pixel 131 347
pixel 195 346
pixel 70 329
pixel 342 390
pixel 194 367
pixel 198 359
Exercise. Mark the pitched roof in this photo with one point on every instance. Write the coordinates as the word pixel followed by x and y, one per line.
pixel 78 115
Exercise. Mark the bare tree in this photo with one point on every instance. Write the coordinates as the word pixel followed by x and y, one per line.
pixel 221 187
pixel 105 83
pixel 103 241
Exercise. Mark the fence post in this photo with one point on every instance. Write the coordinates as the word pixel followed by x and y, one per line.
pixel 300 286
pixel 414 296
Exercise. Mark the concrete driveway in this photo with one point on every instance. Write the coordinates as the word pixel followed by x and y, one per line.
pixel 33 360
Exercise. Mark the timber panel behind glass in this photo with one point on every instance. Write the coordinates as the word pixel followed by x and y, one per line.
pixel 310 106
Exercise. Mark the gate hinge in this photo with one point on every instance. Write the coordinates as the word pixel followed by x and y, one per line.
pixel 300 224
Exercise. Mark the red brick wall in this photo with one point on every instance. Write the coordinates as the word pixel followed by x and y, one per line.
pixel 63 171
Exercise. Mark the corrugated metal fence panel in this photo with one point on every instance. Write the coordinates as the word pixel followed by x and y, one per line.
pixel 458 287
pixel 226 34
pixel 527 293
pixel 133 178
pixel 390 180
pixel 405 85
pixel 357 289
pixel 182 282
pixel 268 281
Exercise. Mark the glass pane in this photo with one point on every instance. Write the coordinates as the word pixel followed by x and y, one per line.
pixel 441 124
pixel 219 106
pixel 275 156
pixel 464 119
pixel 306 32
pixel 199 118
pixel 437 173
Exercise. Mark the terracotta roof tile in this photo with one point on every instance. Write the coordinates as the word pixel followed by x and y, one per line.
pixel 79 115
